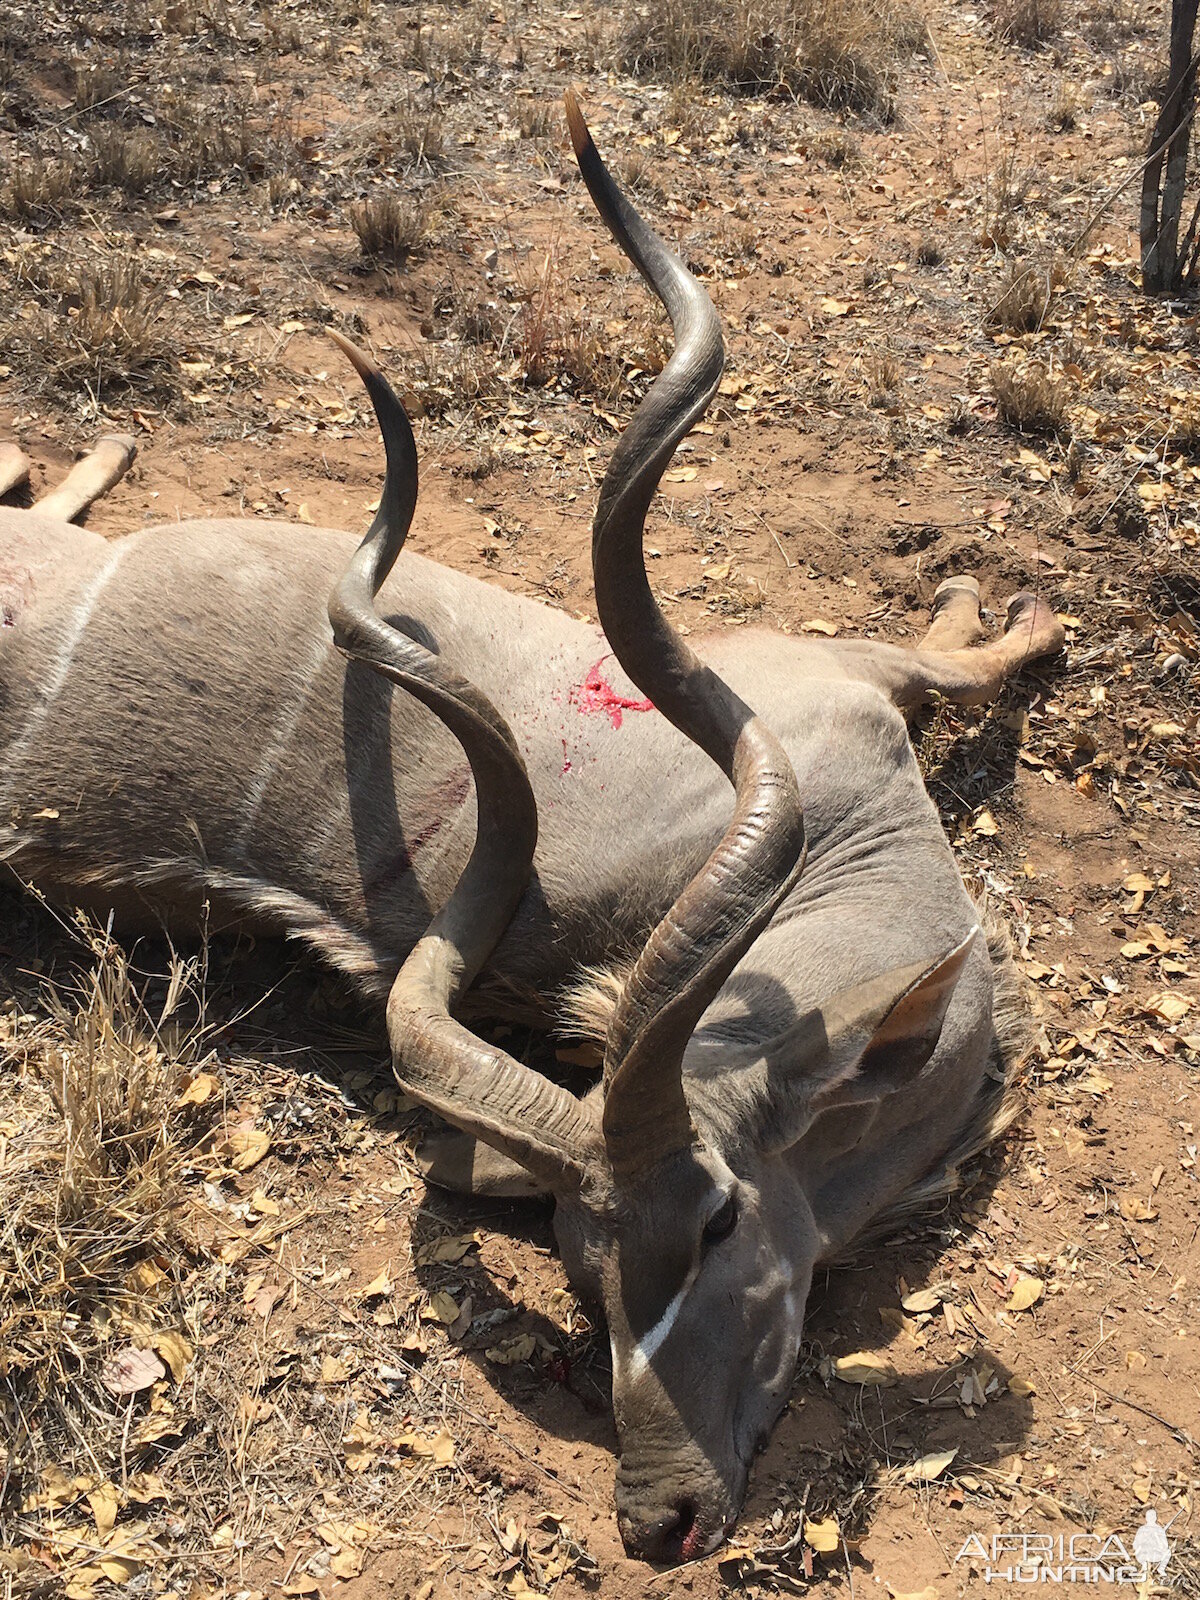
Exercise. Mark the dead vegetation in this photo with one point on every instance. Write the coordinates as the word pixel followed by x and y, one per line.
pixel 37 190
pixel 836 54
pixel 390 227
pixel 1027 22
pixel 1023 299
pixel 125 159
pixel 104 1104
pixel 1031 397
pixel 100 321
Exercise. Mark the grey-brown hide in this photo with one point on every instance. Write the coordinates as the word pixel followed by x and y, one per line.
pixel 177 729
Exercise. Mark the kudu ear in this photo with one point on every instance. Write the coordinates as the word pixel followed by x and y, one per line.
pixel 860 1046
pixel 452 1160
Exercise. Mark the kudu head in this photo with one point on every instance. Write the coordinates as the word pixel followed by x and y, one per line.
pixel 675 1205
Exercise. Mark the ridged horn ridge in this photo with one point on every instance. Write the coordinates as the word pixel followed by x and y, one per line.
pixel 716 919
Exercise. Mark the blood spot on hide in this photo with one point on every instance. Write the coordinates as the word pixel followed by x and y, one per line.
pixel 436 809
pixel 595 695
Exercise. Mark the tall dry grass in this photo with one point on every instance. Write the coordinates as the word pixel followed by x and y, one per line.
pixel 839 53
pixel 100 1121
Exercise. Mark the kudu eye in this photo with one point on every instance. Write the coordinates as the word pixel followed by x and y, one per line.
pixel 722 1222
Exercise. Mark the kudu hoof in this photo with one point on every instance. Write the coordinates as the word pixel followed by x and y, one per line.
pixel 14 468
pixel 950 586
pixel 1032 616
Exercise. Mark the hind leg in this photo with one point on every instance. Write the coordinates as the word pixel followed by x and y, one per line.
pixel 949 663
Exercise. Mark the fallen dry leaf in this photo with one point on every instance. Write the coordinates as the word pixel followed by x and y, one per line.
pixel 824 1536
pixel 202 1087
pixel 509 1351
pixel 105 1501
pixel 131 1371
pixel 866 1368
pixel 923 1300
pixel 926 1468
pixel 175 1351
pixel 442 1308
pixel 445 1251
pixel 1026 1294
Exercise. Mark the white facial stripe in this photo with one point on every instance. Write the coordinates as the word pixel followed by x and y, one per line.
pixel 645 1349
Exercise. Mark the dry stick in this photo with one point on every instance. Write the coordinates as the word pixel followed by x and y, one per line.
pixel 1181 1434
pixel 1154 155
pixel 1113 194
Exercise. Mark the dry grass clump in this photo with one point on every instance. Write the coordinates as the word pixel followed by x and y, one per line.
pixel 837 148
pixel 1027 22
pixel 1068 105
pixel 537 119
pixel 839 53
pixel 1184 426
pixel 419 134
pixel 391 227
pixel 99 83
pixel 1030 397
pixel 883 376
pixel 100 324
pixel 556 340
pixel 638 170
pixel 37 189
pixel 125 159
pixel 207 140
pixel 1023 300
pixel 93 1253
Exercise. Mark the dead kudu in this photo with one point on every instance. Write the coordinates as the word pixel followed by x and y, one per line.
pixel 799 1015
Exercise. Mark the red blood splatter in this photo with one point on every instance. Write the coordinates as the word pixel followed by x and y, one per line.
pixel 693 1542
pixel 595 694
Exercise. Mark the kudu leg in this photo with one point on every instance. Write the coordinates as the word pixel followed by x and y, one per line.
pixel 973 676
pixel 90 478
pixel 955 623
pixel 14 468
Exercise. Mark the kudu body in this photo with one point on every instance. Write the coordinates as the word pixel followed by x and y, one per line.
pixel 806 1032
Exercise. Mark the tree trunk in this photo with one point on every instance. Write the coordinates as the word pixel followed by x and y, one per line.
pixel 1162 200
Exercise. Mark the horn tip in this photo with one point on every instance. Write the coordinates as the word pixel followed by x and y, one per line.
pixel 358 359
pixel 580 137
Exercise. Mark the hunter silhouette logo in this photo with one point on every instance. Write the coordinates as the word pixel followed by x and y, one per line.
pixel 1084 1558
pixel 1150 1544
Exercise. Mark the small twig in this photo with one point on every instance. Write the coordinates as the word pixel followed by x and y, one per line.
pixel 1181 1434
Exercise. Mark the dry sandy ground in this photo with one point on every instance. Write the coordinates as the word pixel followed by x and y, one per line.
pixel 330 1421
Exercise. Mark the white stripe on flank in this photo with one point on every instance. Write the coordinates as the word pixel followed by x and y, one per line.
pixel 281 737
pixel 56 677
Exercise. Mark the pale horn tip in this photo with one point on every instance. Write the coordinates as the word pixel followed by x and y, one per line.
pixel 580 137
pixel 359 360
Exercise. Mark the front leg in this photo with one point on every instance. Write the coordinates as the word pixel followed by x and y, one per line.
pixel 950 663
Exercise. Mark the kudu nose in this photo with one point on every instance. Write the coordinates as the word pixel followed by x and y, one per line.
pixel 666 1539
